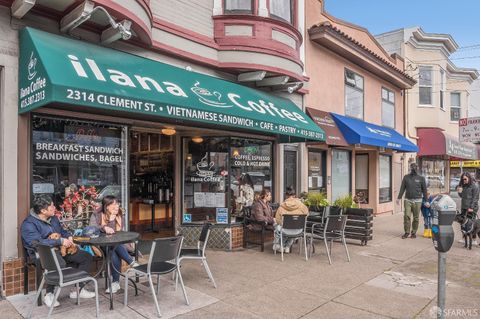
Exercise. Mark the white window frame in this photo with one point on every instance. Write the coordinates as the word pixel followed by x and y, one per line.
pixel 459 107
pixel 389 101
pixel 427 67
pixel 442 90
pixel 351 82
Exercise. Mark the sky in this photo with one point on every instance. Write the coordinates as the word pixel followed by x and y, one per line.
pixel 459 18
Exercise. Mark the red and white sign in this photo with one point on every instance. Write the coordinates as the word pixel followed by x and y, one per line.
pixel 469 129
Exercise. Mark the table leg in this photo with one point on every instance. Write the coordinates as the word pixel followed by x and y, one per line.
pixel 109 275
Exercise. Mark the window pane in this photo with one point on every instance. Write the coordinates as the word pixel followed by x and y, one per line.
pixel 353 102
pixel 425 95
pixel 238 5
pixel 359 81
pixel 341 173
pixel 69 154
pixel 434 172
pixel 455 113
pixel 388 114
pixel 385 178
pixel 384 94
pixel 391 96
pixel 316 168
pixel 455 99
pixel 281 9
pixel 425 76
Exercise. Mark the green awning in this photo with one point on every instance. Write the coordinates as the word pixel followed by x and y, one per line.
pixel 55 69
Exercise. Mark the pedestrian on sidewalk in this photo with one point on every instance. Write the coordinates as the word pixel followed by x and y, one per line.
pixel 427 216
pixel 468 191
pixel 415 189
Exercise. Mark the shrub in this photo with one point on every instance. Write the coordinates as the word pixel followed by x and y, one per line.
pixel 315 199
pixel 345 202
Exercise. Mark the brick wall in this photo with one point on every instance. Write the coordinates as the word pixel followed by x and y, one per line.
pixel 13 277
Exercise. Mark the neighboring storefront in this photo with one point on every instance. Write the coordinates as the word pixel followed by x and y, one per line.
pixel 459 167
pixel 177 148
pixel 436 149
pixel 357 159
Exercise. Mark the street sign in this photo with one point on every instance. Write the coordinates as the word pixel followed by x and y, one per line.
pixel 469 129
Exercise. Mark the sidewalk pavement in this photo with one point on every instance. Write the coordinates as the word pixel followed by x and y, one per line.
pixel 388 278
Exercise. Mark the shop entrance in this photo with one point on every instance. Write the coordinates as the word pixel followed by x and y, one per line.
pixel 151 183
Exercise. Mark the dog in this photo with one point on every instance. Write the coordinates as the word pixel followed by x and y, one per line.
pixel 64 250
pixel 470 229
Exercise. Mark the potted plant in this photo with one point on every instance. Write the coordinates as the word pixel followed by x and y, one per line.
pixel 316 201
pixel 344 202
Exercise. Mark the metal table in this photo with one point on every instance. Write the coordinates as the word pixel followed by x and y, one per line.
pixel 109 242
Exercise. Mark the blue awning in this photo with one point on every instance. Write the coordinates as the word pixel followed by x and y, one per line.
pixel 359 132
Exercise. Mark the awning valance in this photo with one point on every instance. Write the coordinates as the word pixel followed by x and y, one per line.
pixel 324 120
pixel 55 69
pixel 360 132
pixel 435 142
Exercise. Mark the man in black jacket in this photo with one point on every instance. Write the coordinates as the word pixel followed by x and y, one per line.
pixel 414 187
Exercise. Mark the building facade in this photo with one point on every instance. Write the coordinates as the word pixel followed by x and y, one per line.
pixel 435 104
pixel 182 110
pixel 357 82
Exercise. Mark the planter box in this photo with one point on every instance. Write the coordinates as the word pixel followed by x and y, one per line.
pixel 359 224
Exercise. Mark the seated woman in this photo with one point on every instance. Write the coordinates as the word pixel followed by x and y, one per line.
pixel 261 210
pixel 110 220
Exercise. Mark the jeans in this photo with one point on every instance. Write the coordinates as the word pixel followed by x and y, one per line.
pixel 412 208
pixel 292 232
pixel 81 259
pixel 427 219
pixel 118 254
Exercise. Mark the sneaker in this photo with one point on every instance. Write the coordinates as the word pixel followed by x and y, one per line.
pixel 115 287
pixel 286 250
pixel 405 236
pixel 84 294
pixel 475 243
pixel 413 235
pixel 48 299
pixel 134 264
pixel 276 247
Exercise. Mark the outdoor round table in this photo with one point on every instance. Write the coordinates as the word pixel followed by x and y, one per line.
pixel 109 242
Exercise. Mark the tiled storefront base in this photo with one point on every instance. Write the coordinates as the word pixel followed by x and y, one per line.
pixel 13 277
pixel 227 237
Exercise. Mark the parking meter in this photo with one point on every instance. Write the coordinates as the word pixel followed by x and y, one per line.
pixel 443 210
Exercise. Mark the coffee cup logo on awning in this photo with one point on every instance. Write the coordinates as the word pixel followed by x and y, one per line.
pixel 32 64
pixel 207 97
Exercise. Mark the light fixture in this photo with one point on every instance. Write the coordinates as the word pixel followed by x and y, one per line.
pixel 273 81
pixel 84 11
pixel 197 139
pixel 21 7
pixel 235 152
pixel 251 76
pixel 121 31
pixel 189 157
pixel 168 131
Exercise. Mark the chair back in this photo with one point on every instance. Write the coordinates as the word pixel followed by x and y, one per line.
pixel 49 261
pixel 294 221
pixel 335 223
pixel 247 211
pixel 165 249
pixel 334 210
pixel 203 239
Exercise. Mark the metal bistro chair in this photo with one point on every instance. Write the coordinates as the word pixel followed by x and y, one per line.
pixel 198 253
pixel 30 257
pixel 60 277
pixel 293 227
pixel 164 259
pixel 333 229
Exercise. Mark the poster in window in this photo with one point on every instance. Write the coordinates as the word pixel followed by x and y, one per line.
pixel 222 215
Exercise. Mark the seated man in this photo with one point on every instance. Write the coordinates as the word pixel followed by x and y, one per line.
pixel 290 206
pixel 37 228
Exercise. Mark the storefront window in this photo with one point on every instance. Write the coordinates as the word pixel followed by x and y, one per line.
pixel 361 178
pixel 316 171
pixel 341 174
pixel 69 154
pixel 385 183
pixel 251 171
pixel 434 171
pixel 222 175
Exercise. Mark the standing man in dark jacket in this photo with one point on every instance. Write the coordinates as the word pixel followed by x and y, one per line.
pixel 36 229
pixel 415 189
